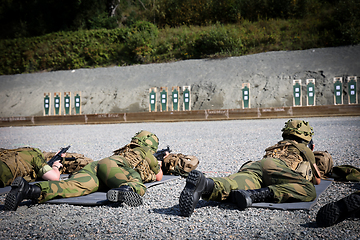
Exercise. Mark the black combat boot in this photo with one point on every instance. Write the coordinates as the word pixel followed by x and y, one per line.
pixel 196 185
pixel 245 198
pixel 124 194
pixel 20 190
pixel 336 212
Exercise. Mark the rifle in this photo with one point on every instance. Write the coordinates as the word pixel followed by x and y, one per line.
pixel 57 156
pixel 159 155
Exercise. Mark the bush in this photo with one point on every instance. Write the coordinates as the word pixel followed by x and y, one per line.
pixel 217 40
pixel 140 40
pixel 61 51
pixel 205 12
pixel 347 22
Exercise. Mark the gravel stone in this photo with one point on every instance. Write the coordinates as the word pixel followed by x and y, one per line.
pixel 221 146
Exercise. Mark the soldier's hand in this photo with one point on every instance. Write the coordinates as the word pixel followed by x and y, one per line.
pixel 57 164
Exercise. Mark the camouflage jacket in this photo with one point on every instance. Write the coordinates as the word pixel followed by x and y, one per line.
pixel 141 159
pixel 25 162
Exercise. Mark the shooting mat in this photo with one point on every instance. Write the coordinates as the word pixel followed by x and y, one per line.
pixel 324 184
pixel 93 199
pixel 99 198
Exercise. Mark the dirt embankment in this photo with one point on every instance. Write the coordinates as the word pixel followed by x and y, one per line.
pixel 215 84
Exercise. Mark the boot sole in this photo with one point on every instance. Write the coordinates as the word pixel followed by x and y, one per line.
pixel 336 212
pixel 129 198
pixel 11 203
pixel 186 201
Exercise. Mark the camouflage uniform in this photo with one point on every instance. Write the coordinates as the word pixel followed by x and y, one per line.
pixel 122 174
pixel 26 162
pixel 286 184
pixel 283 175
pixel 286 169
pixel 133 167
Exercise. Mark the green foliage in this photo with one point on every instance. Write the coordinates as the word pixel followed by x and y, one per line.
pixel 140 40
pixel 203 12
pixel 345 23
pixel 101 21
pixel 218 40
pixel 62 50
pixel 188 29
pixel 143 26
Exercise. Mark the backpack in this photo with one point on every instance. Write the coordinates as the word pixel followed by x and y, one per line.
pixel 298 162
pixel 179 164
pixel 324 162
pixel 141 159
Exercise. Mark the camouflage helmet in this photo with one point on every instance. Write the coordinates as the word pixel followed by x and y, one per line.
pixel 147 139
pixel 298 128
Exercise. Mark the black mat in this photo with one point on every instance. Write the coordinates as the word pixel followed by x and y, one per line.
pixel 99 198
pixel 297 205
pixel 64 176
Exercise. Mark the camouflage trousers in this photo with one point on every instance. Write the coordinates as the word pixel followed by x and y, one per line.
pixel 287 185
pixel 108 173
pixel 6 177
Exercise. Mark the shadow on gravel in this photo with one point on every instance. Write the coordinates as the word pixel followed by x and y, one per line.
pixel 175 210
pixel 310 225
pixel 356 186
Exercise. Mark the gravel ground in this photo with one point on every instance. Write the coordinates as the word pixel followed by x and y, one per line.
pixel 221 146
